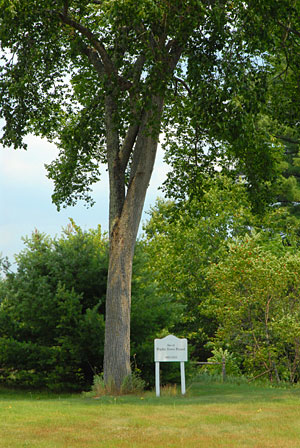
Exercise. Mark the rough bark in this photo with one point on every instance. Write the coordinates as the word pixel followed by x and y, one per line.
pixel 118 304
pixel 124 224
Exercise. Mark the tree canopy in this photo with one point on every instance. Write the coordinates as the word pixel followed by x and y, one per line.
pixel 209 59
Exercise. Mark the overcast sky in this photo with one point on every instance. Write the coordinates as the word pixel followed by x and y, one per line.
pixel 25 196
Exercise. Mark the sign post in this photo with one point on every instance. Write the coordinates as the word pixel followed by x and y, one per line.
pixel 170 349
pixel 182 375
pixel 157 382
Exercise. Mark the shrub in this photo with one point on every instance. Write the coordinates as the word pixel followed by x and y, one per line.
pixel 52 312
pixel 133 384
pixel 98 387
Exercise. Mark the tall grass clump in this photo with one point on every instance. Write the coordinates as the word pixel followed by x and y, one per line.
pixel 132 384
pixel 98 387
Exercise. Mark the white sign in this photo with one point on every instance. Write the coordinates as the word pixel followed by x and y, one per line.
pixel 170 349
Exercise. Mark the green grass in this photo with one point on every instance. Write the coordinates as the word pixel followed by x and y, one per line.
pixel 211 415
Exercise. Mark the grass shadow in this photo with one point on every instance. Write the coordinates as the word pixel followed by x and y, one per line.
pixel 198 393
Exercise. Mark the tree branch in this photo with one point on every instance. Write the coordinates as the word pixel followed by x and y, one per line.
pixel 289 29
pixel 107 63
pixel 128 143
pixel 147 37
pixel 94 58
pixel 288 139
pixel 66 7
pixel 184 84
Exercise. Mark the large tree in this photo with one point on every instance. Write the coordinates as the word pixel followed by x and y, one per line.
pixel 100 77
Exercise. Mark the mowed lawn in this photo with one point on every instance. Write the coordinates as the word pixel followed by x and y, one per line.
pixel 210 416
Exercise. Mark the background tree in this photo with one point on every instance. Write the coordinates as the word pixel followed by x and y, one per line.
pixel 182 243
pixel 256 298
pixel 282 115
pixel 95 76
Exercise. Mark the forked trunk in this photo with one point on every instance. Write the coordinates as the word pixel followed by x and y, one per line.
pixel 124 224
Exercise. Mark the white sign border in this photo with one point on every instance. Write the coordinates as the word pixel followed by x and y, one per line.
pixel 170 340
pixel 170 349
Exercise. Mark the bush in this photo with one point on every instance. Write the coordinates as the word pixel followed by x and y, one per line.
pixel 98 387
pixel 231 362
pixel 133 384
pixel 52 312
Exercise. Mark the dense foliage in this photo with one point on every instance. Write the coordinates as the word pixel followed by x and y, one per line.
pixel 211 271
pixel 256 298
pixel 182 243
pixel 52 312
pixel 236 275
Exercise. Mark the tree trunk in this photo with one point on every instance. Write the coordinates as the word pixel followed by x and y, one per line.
pixel 124 225
pixel 118 302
